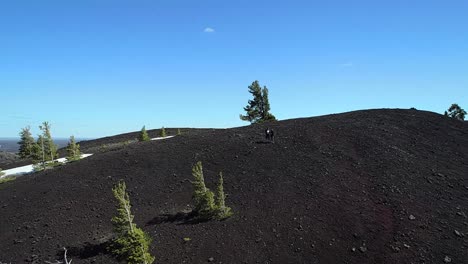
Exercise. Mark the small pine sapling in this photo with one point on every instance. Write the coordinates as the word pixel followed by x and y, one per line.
pixel 73 150
pixel 223 211
pixel 204 198
pixel 163 132
pixel 131 243
pixel 143 135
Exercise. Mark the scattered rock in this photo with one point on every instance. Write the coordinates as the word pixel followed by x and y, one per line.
pixel 363 249
pixel 461 214
pixel 353 249
pixel 447 259
pixel 210 259
pixel 459 234
pixel 412 217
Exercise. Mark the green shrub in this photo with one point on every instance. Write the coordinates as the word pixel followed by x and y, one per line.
pixel 163 132
pixel 73 150
pixel 131 243
pixel 7 179
pixel 143 136
pixel 222 211
pixel 203 197
pixel 205 205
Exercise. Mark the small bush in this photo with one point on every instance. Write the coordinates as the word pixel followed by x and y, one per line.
pixel 46 165
pixel 204 198
pixel 7 179
pixel 178 132
pixel 205 205
pixel 131 243
pixel 143 135
pixel 222 211
pixel 111 146
pixel 163 132
pixel 73 150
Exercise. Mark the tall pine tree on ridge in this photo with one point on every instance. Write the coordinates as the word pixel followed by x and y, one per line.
pixel 258 109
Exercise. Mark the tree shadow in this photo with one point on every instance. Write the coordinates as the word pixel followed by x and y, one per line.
pixel 264 142
pixel 179 218
pixel 87 250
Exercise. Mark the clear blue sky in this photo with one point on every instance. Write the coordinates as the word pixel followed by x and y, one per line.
pixel 101 67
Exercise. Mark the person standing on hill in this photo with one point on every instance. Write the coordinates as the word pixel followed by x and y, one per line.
pixel 270 135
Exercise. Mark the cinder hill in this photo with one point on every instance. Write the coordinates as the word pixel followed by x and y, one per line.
pixel 374 186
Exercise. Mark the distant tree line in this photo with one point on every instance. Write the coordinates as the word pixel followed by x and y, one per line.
pixel 44 150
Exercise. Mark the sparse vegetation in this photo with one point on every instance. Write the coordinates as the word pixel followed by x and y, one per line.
pixel 49 148
pixel 1 172
pixel 205 205
pixel 7 179
pixel 163 132
pixel 143 135
pixel 131 243
pixel 111 146
pixel 258 109
pixel 73 150
pixel 204 198
pixel 26 143
pixel 222 210
pixel 455 111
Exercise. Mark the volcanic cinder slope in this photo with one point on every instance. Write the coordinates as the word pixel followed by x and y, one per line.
pixel 374 186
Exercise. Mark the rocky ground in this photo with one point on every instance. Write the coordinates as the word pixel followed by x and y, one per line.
pixel 375 186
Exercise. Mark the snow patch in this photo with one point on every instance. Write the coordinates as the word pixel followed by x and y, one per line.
pixel 159 138
pixel 29 168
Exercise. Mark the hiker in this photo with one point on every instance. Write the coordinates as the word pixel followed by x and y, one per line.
pixel 270 135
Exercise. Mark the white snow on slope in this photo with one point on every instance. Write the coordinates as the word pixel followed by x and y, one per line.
pixel 159 138
pixel 29 168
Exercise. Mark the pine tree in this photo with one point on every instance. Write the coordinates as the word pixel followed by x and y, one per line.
pixel 178 132
pixel 143 135
pixel 455 111
pixel 163 132
pixel 73 150
pixel 203 197
pixel 26 143
pixel 131 242
pixel 258 109
pixel 50 148
pixel 222 209
pixel 39 154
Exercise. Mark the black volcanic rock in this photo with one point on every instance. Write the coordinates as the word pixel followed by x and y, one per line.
pixel 328 187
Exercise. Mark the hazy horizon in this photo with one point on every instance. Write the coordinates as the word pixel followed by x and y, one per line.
pixel 11 144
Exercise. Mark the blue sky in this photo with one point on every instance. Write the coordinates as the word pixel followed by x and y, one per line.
pixel 101 67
